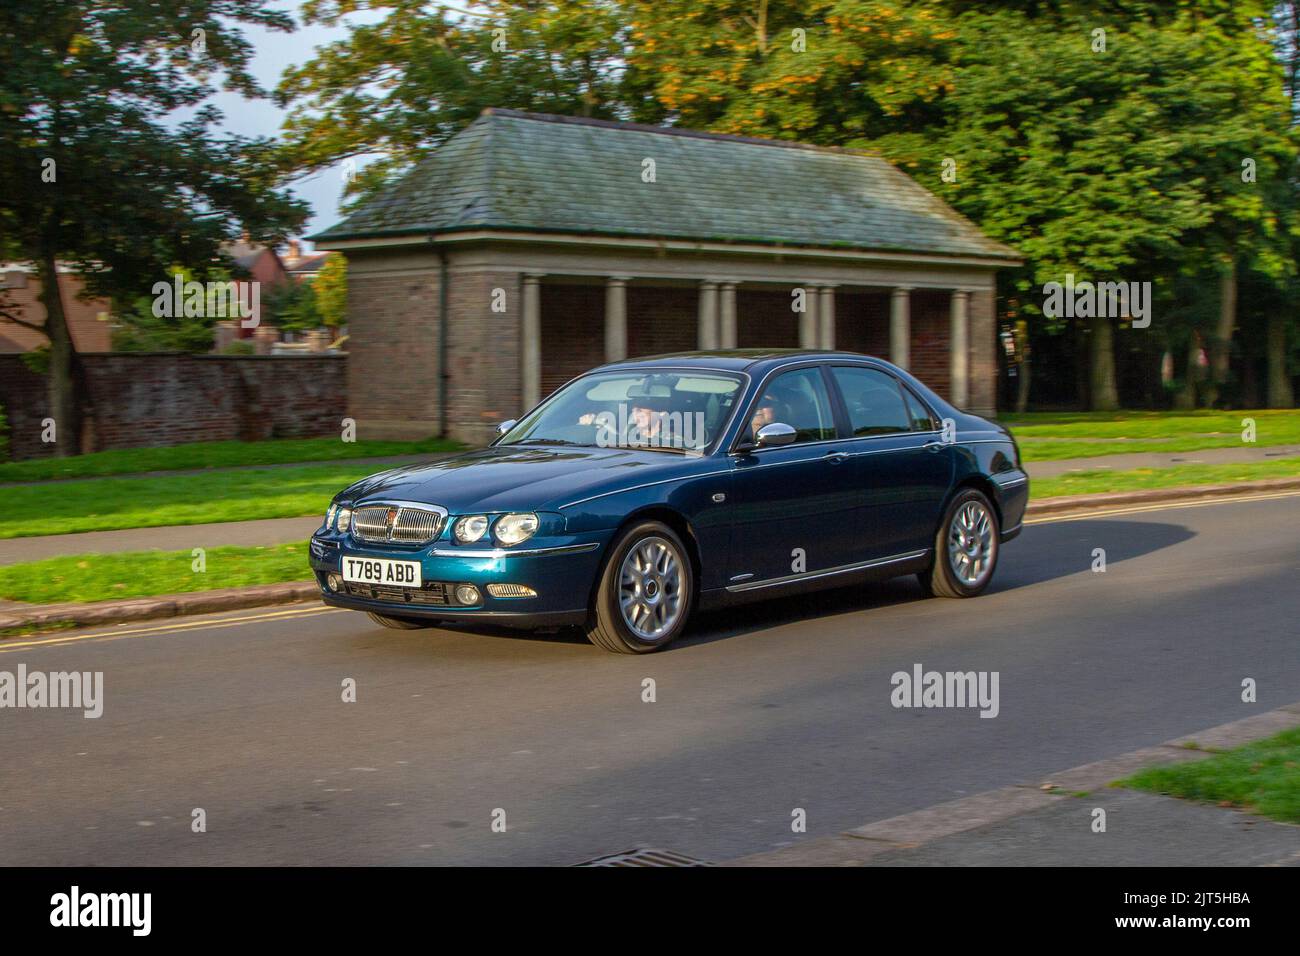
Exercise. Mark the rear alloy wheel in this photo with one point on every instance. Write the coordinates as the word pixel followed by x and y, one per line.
pixel 398 623
pixel 645 592
pixel 965 548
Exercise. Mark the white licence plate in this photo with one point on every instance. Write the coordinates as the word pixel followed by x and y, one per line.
pixel 381 571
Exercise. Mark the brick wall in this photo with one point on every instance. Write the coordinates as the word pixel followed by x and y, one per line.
pixel 662 319
pixel 931 326
pixel 573 332
pixel 147 400
pixel 393 341
pixel 483 387
pixel 862 322
pixel 764 319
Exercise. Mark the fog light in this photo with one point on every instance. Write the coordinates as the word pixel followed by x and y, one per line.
pixel 334 581
pixel 510 591
pixel 467 594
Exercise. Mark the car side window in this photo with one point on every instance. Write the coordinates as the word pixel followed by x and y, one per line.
pixel 921 420
pixel 798 399
pixel 874 401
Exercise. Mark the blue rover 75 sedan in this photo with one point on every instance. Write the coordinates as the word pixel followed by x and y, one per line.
pixel 646 489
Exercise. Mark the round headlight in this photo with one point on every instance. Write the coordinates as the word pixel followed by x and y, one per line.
pixel 345 519
pixel 514 528
pixel 470 528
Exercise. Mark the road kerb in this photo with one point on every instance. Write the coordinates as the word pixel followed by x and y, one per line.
pixel 162 606
pixel 857 847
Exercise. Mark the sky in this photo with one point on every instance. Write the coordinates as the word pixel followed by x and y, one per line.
pixel 275 52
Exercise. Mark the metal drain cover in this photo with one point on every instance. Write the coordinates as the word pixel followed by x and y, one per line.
pixel 645 856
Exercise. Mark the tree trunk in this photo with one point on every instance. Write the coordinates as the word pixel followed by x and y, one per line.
pixel 1279 381
pixel 62 392
pixel 1103 396
pixel 1221 344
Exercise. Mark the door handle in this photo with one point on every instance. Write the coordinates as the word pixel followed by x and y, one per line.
pixel 933 446
pixel 835 457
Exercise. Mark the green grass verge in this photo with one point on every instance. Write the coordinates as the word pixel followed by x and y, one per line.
pixel 221 454
pixel 106 504
pixel 108 577
pixel 1263 777
pixel 1052 436
pixel 1097 482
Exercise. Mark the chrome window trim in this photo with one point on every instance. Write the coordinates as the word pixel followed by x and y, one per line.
pixel 814 575
pixel 829 362
pixel 511 553
pixel 794 365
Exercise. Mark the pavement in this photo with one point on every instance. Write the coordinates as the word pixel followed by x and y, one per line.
pixel 1128 462
pixel 757 712
pixel 168 538
pixel 1074 817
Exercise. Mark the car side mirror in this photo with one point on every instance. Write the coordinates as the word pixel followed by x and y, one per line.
pixel 777 433
pixel 506 425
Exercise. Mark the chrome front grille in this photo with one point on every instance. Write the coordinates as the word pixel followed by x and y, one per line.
pixel 400 524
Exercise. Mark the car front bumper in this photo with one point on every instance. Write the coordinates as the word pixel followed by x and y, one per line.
pixel 560 570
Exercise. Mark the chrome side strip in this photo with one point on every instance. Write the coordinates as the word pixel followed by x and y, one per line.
pixel 842 569
pixel 512 553
pixel 648 484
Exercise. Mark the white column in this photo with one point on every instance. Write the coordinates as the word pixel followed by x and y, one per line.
pixel 530 351
pixel 727 316
pixel 826 316
pixel 959 346
pixel 615 318
pixel 900 326
pixel 809 331
pixel 708 321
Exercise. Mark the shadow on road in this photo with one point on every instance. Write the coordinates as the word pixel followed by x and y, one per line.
pixel 1042 553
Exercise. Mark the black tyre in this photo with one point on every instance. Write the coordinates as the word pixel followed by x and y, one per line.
pixel 398 623
pixel 965 548
pixel 646 591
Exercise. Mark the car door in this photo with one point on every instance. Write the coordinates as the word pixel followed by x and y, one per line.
pixel 791 502
pixel 901 467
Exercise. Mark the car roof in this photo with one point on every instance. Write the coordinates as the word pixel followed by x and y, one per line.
pixel 732 360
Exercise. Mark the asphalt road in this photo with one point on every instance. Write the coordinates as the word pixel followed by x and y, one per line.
pixel 778 706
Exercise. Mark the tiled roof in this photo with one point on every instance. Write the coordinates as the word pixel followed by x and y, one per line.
pixel 528 172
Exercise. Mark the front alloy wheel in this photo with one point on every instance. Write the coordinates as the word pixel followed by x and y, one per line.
pixel 645 592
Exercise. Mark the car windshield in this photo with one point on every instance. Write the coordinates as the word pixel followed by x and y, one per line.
pixel 677 410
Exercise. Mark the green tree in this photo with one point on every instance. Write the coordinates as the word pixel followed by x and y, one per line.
pixel 1107 156
pixel 94 171
pixel 402 85
pixel 291 306
pixel 140 330
pixel 331 288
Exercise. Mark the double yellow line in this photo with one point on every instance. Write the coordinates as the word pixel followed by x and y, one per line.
pixel 122 632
